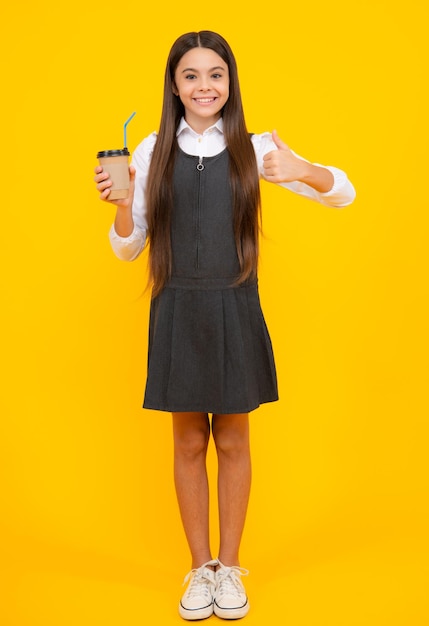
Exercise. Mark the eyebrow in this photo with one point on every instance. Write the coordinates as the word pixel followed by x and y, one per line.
pixel 191 69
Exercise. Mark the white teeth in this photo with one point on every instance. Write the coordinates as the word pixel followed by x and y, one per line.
pixel 204 100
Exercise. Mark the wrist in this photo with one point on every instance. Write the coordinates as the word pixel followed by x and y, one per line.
pixel 307 173
pixel 318 177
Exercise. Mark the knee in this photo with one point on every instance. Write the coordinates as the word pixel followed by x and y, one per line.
pixel 231 442
pixel 192 443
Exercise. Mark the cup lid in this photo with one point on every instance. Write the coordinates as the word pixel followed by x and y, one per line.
pixel 112 153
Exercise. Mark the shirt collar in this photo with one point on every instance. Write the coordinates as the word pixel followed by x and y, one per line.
pixel 184 127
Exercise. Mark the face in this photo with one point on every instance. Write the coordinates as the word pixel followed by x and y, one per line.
pixel 202 84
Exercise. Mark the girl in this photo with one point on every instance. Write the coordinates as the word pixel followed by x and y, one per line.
pixel 195 195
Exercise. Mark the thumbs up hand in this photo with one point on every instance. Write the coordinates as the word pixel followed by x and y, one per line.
pixel 281 165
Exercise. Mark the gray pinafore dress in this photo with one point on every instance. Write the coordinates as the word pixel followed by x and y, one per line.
pixel 209 347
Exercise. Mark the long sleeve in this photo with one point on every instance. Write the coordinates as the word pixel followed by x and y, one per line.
pixel 129 248
pixel 342 193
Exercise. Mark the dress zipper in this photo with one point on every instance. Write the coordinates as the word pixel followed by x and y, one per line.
pixel 200 167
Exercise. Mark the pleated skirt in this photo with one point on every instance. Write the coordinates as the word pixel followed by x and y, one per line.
pixel 209 349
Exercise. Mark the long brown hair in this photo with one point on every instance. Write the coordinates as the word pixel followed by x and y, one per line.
pixel 243 171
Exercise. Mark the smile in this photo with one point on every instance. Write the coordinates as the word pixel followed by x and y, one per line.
pixel 204 100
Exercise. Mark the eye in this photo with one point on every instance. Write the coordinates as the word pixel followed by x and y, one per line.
pixel 216 75
pixel 190 76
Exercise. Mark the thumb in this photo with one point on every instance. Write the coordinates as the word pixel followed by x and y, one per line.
pixel 132 180
pixel 279 143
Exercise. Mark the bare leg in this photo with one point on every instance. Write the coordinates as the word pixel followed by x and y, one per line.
pixel 231 436
pixel 191 432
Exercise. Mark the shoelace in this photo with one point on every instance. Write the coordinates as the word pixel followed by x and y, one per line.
pixel 228 581
pixel 198 585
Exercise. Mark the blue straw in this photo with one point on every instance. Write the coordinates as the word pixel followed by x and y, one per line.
pixel 125 128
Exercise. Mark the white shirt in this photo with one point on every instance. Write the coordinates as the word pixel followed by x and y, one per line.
pixel 210 143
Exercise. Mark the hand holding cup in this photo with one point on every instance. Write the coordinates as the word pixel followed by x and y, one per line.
pixel 114 177
pixel 104 184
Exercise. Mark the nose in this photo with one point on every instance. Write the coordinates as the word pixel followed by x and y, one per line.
pixel 203 85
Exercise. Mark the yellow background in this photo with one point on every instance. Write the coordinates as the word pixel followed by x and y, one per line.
pixel 337 525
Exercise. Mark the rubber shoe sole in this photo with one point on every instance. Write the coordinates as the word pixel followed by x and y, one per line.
pixel 194 614
pixel 232 613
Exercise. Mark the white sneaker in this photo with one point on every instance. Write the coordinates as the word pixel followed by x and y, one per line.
pixel 197 601
pixel 231 601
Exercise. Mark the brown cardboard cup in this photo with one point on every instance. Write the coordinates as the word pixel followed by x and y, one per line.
pixel 115 162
